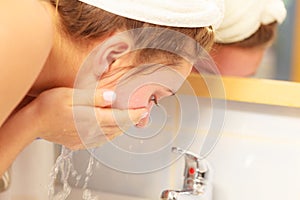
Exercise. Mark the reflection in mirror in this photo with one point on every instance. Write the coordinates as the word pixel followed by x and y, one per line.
pixel 241 41
pixel 277 62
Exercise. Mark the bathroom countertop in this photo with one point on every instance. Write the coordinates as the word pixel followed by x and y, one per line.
pixel 77 195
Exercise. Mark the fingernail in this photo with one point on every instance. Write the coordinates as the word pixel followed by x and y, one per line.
pixel 109 96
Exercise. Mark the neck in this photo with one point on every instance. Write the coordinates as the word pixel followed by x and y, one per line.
pixel 62 63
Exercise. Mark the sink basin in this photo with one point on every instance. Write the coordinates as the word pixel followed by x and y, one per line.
pixel 76 194
pixel 257 157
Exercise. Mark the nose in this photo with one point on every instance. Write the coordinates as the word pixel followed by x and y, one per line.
pixel 146 120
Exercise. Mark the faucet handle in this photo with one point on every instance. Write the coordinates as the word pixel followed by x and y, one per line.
pixel 197 179
pixel 196 172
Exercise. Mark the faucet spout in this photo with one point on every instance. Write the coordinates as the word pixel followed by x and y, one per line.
pixel 172 194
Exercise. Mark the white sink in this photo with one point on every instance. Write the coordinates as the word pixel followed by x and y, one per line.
pixel 76 194
pixel 257 157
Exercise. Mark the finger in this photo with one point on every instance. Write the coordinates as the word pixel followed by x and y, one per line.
pixel 107 134
pixel 100 140
pixel 121 118
pixel 98 98
pixel 94 122
pixel 104 98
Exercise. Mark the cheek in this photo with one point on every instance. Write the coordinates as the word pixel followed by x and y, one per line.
pixel 140 98
pixel 127 98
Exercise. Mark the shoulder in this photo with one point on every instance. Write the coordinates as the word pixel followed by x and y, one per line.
pixel 26 33
pixel 26 38
pixel 25 21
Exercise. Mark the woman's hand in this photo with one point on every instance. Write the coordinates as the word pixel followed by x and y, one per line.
pixel 80 118
pixel 59 116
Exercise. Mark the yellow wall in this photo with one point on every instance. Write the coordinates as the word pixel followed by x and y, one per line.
pixel 296 55
pixel 259 91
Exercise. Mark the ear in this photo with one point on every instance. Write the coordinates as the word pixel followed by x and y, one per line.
pixel 100 58
pixel 109 51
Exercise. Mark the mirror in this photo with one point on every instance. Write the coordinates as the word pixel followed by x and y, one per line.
pixel 279 62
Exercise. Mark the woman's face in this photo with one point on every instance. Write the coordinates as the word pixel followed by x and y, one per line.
pixel 143 87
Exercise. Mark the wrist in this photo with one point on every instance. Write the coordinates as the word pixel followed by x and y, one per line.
pixel 15 134
pixel 24 123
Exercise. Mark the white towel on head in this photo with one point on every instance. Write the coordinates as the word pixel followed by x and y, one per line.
pixel 177 13
pixel 243 18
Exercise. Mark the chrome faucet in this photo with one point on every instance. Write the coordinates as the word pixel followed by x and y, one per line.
pixel 197 179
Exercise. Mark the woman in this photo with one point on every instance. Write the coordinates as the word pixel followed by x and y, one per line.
pixel 43 44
